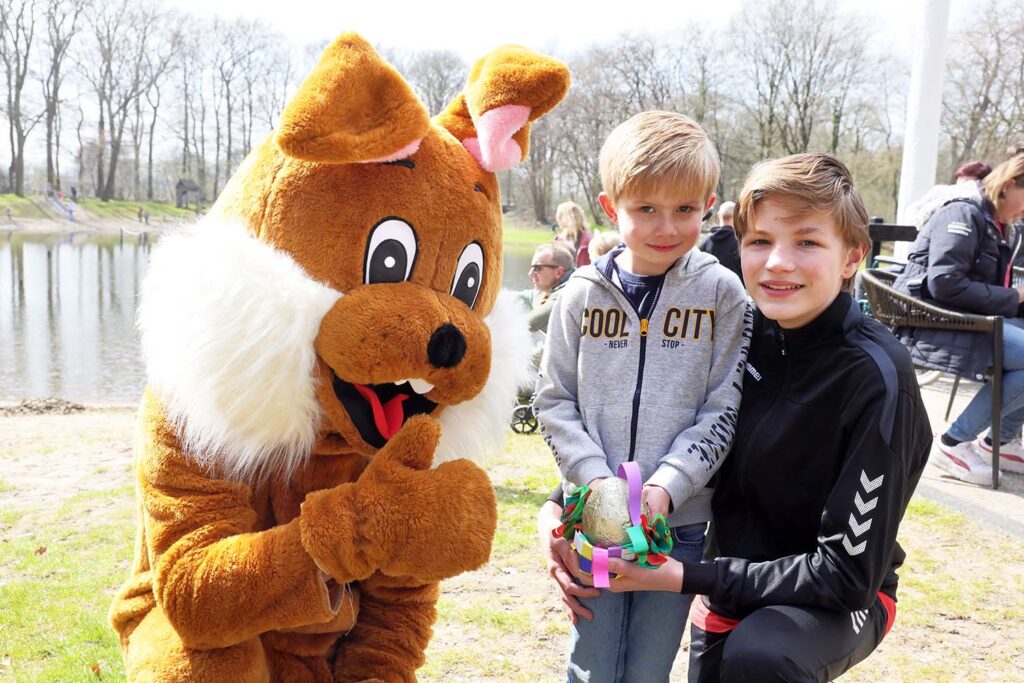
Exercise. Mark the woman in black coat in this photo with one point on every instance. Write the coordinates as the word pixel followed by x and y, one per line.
pixel 962 259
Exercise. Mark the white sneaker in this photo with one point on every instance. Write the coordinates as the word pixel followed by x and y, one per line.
pixel 1011 455
pixel 962 461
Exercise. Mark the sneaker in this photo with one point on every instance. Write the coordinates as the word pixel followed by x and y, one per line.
pixel 962 461
pixel 1011 455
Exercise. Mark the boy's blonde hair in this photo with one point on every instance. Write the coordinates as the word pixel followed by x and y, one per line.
pixel 806 183
pixel 658 148
pixel 1011 169
pixel 570 215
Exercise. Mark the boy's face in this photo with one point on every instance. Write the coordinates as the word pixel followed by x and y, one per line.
pixel 657 226
pixel 794 265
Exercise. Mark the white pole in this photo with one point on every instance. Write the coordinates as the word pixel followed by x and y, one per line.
pixel 924 107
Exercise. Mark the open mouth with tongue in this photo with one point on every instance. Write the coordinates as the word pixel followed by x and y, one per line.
pixel 378 411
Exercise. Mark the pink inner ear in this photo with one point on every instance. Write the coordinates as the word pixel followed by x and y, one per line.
pixel 403 153
pixel 493 148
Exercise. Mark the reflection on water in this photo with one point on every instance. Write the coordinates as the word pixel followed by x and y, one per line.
pixel 67 314
pixel 67 308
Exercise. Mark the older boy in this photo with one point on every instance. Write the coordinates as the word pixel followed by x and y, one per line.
pixel 643 362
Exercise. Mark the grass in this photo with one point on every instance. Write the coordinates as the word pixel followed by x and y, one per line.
pixel 56 583
pixel 59 569
pixel 123 208
pixel 519 233
pixel 21 207
pixel 33 207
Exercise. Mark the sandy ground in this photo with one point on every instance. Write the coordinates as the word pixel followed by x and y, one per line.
pixel 48 458
pixel 87 223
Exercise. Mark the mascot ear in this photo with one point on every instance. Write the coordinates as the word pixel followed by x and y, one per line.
pixel 506 90
pixel 353 107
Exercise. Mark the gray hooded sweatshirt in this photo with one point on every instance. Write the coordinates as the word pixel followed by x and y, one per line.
pixel 663 391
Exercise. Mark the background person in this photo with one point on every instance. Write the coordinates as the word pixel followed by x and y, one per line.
pixel 721 241
pixel 962 260
pixel 550 268
pixel 572 224
pixel 965 186
pixel 603 242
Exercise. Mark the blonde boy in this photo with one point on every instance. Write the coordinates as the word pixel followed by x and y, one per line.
pixel 643 362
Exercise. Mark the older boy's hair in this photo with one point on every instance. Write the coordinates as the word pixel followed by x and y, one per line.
pixel 806 183
pixel 659 149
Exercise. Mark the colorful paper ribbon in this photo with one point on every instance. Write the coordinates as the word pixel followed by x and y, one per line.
pixel 649 543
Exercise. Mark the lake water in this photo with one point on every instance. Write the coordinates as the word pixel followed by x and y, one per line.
pixel 67 315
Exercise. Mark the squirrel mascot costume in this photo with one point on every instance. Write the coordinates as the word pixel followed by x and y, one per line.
pixel 314 347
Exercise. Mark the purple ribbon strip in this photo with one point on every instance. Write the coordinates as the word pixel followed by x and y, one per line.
pixel 630 471
pixel 599 567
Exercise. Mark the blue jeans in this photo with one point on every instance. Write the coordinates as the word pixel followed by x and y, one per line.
pixel 978 413
pixel 634 636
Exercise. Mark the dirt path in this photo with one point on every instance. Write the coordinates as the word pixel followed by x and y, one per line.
pixel 49 458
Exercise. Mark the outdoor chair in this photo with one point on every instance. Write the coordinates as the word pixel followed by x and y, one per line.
pixel 896 309
pixel 887 232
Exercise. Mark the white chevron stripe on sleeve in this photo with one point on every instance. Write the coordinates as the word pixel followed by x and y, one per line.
pixel 854 549
pixel 863 506
pixel 859 529
pixel 870 484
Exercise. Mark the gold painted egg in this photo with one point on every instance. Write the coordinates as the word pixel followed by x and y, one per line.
pixel 606 514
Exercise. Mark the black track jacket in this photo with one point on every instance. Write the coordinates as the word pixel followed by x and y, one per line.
pixel 831 440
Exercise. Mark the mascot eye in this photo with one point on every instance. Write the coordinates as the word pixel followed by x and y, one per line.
pixel 468 274
pixel 390 252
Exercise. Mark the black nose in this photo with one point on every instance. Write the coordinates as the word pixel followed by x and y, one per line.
pixel 446 347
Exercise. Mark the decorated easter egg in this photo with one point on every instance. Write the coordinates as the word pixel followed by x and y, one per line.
pixel 606 514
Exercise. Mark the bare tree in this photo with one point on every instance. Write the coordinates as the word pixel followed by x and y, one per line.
pixel 983 103
pixel 437 76
pixel 62 24
pixel 123 35
pixel 17 34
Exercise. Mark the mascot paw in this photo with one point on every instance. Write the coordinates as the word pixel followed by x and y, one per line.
pixel 434 523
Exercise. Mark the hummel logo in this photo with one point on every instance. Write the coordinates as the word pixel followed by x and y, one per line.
pixel 863 507
pixel 753 372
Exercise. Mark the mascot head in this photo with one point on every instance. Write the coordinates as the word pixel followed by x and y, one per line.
pixel 348 276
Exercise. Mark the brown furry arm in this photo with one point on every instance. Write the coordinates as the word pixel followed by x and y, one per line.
pixel 217 580
pixel 394 628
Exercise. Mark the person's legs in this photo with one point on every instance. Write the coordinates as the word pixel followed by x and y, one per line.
pixel 657 619
pixel 956 451
pixel 978 413
pixel 705 654
pixel 597 647
pixel 789 643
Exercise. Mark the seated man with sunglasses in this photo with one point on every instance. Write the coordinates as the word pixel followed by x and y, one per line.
pixel 550 268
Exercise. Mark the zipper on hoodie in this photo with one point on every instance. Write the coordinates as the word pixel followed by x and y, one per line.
pixel 644 313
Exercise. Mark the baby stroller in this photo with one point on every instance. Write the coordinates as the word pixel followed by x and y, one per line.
pixel 523 419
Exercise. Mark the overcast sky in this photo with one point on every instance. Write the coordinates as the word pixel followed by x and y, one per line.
pixel 473 28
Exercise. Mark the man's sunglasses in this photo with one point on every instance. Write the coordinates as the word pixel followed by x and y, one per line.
pixel 534 267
